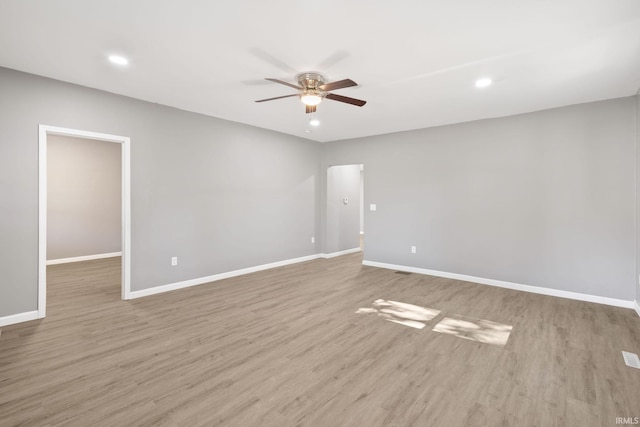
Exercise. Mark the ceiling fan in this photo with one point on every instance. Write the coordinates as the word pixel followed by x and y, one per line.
pixel 313 89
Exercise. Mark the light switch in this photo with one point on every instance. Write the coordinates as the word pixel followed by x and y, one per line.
pixel 372 207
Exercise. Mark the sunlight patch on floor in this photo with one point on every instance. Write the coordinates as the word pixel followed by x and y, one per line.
pixel 475 329
pixel 402 313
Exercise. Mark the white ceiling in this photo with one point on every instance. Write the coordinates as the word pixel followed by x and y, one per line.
pixel 416 61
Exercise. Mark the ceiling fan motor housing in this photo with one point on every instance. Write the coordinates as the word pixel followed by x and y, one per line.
pixel 310 82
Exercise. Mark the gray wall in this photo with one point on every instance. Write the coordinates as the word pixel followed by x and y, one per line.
pixel 343 221
pixel 361 199
pixel 219 195
pixel 637 277
pixel 544 199
pixel 83 197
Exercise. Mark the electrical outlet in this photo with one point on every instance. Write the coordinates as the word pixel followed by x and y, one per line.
pixel 373 207
pixel 313 239
pixel 174 261
pixel 413 249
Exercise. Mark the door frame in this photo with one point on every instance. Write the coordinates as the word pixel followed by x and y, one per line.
pixel 325 207
pixel 43 132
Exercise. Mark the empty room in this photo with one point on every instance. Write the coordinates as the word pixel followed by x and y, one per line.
pixel 289 213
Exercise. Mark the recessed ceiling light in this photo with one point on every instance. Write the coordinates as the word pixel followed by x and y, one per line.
pixel 120 60
pixel 314 122
pixel 483 82
pixel 307 131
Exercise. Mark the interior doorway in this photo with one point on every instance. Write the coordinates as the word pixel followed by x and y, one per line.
pixel 46 133
pixel 345 214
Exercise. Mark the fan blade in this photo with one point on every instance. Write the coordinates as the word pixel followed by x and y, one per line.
pixel 277 97
pixel 310 108
pixel 338 85
pixel 346 99
pixel 285 83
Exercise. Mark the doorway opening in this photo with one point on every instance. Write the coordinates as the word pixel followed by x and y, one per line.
pixel 47 135
pixel 345 209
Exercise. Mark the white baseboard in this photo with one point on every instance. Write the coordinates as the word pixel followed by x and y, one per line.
pixel 335 254
pixel 636 306
pixel 216 277
pixel 220 276
pixel 83 258
pixel 18 318
pixel 509 285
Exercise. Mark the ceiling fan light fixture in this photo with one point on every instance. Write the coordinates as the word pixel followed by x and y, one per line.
pixel 311 97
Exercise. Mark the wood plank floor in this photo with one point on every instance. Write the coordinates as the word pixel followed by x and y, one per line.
pixel 285 347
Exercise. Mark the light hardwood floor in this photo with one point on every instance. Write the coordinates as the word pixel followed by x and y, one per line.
pixel 285 347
